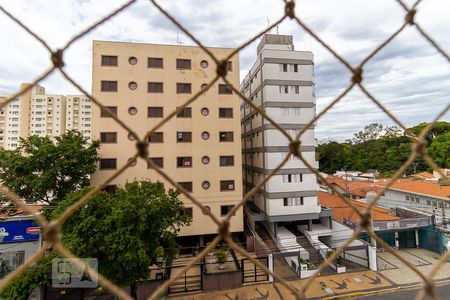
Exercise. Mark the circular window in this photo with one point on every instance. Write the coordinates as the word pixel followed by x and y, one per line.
pixel 203 86
pixel 206 210
pixel 132 110
pixel 205 160
pixel 204 64
pixel 132 60
pixel 205 135
pixel 206 184
pixel 205 111
pixel 131 137
pixel 132 85
pixel 132 161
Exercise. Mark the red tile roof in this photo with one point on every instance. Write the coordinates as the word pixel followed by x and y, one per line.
pixel 356 187
pixel 423 187
pixel 342 210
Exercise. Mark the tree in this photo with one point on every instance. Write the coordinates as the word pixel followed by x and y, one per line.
pixel 41 169
pixel 370 132
pixel 125 229
pixel 440 150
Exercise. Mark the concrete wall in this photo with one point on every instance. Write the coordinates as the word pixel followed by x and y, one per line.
pixel 222 280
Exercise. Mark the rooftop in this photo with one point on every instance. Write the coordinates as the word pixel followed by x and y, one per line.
pixel 342 210
pixel 423 187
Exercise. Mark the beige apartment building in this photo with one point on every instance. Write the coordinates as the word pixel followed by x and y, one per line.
pixel 200 148
pixel 38 113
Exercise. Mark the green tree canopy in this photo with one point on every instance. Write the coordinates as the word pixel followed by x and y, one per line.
pixel 42 169
pixel 122 230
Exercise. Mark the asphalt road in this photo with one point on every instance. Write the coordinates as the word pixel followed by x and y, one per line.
pixel 443 293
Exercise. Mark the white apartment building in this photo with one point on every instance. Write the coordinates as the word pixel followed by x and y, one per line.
pixel 37 113
pixel 281 83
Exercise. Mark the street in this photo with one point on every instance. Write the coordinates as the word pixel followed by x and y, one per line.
pixel 443 292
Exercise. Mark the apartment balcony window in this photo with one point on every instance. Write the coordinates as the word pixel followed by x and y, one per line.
pixel 297 201
pixel 155 112
pixel 108 86
pixel 227 160
pixel 185 113
pixel 188 211
pixel 184 88
pixel 184 162
pixel 158 161
pixel 183 64
pixel 187 185
pixel 225 89
pixel 227 185
pixel 155 63
pixel 109 60
pixel 184 137
pixel 108 163
pixel 225 112
pixel 225 209
pixel 108 137
pixel 287 178
pixel 156 137
pixel 226 136
pixel 155 87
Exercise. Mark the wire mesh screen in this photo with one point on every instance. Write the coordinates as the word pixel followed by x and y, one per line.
pixel 51 229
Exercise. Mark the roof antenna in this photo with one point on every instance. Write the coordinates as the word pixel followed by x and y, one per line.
pixel 277 29
pixel 268 23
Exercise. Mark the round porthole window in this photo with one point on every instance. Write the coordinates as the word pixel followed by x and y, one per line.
pixel 205 111
pixel 131 137
pixel 206 184
pixel 132 161
pixel 204 64
pixel 206 210
pixel 205 135
pixel 203 86
pixel 205 160
pixel 132 60
pixel 132 110
pixel 132 85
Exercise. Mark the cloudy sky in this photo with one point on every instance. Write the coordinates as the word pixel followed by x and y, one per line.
pixel 408 76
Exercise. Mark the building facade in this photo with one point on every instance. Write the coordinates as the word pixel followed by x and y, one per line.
pixel 41 114
pixel 281 83
pixel 199 147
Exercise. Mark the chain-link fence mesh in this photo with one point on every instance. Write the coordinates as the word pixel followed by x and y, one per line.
pixel 51 229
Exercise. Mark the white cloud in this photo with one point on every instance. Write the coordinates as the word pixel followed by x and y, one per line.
pixel 408 76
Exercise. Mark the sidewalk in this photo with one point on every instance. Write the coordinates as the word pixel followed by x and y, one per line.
pixel 320 287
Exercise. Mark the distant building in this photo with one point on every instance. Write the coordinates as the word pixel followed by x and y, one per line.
pixel 37 113
pixel 281 83
pixel 199 148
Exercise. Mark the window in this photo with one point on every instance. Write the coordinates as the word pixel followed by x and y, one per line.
pixel 132 85
pixel 230 66
pixel 225 112
pixel 184 137
pixel 108 86
pixel 292 178
pixel 293 201
pixel 204 111
pixel 132 60
pixel 187 185
pixel 225 89
pixel 183 64
pixel 226 136
pixel 205 160
pixel 285 67
pixel 155 87
pixel 108 137
pixel 225 209
pixel 206 184
pixel 184 88
pixel 155 112
pixel 155 62
pixel 284 111
pixel 295 89
pixel 407 198
pixel 295 68
pixel 185 113
pixel 226 160
pixel 156 137
pixel 284 89
pixel 132 110
pixel 104 114
pixel 108 164
pixel 188 211
pixel 159 161
pixel 227 185
pixel 110 188
pixel 184 162
pixel 109 60
pixel 204 64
